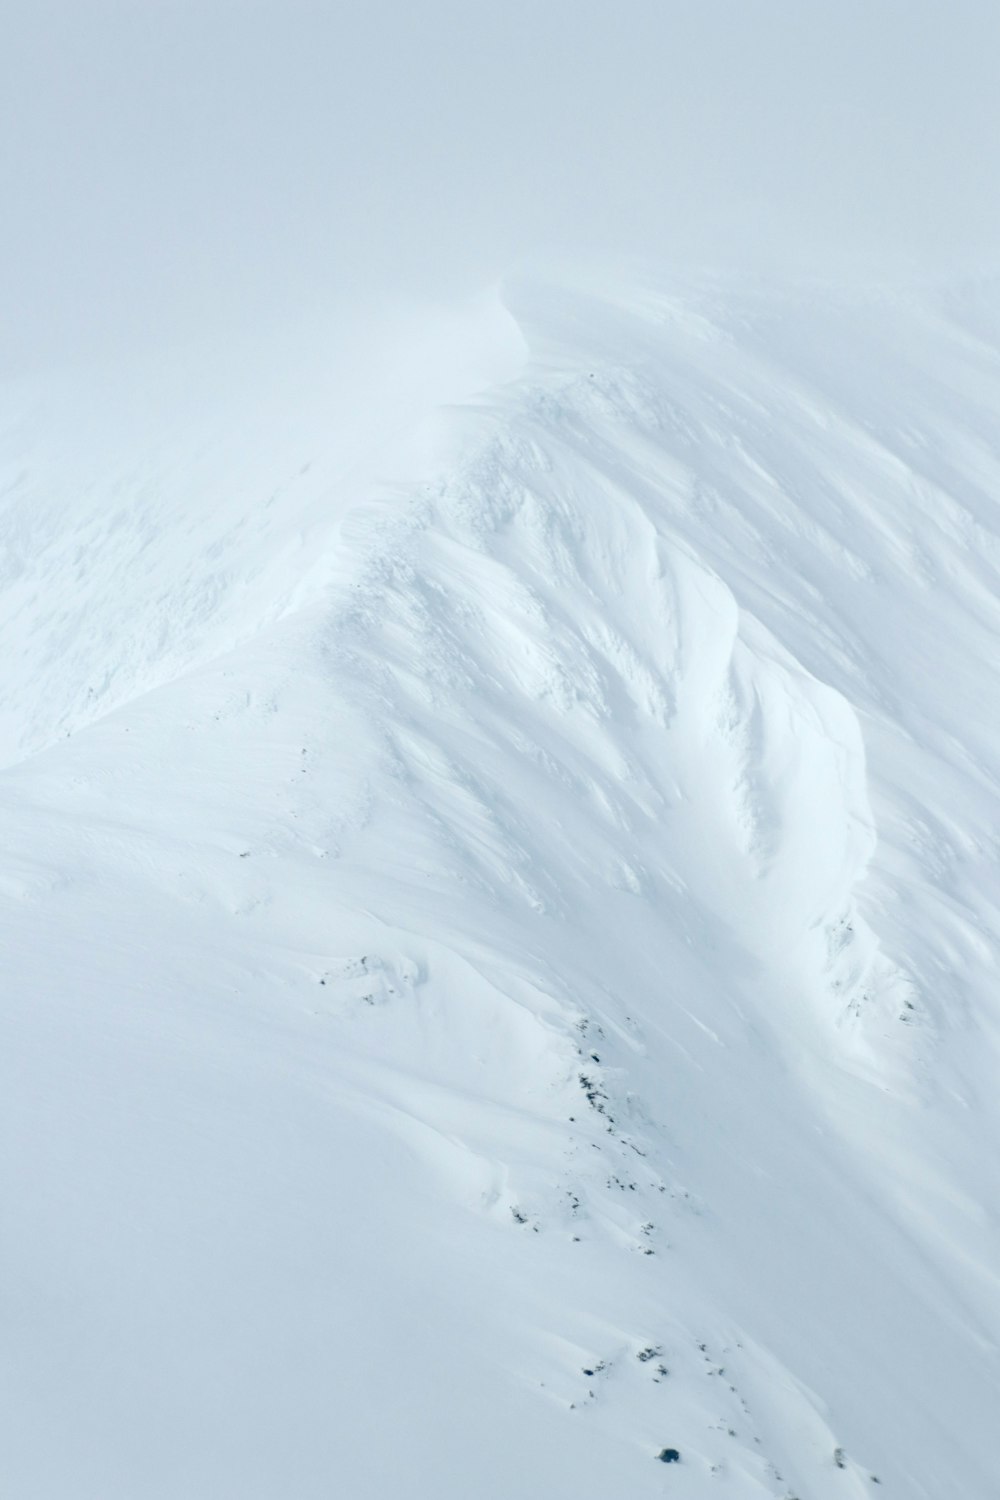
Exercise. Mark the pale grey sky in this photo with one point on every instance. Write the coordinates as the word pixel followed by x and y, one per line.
pixel 167 163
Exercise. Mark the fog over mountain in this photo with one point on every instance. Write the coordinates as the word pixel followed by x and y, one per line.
pixel 499 638
pixel 169 164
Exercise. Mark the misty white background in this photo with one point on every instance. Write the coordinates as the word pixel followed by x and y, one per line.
pixel 169 166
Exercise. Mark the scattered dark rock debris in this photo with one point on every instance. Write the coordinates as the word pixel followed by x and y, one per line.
pixel 644 1355
pixel 669 1456
pixel 840 1458
pixel 595 1098
pixel 519 1217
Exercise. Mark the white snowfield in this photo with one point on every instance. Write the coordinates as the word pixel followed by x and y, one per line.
pixel 500 966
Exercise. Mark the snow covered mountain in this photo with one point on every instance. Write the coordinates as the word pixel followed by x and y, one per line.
pixel 500 960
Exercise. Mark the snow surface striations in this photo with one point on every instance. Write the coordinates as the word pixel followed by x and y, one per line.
pixel 500 969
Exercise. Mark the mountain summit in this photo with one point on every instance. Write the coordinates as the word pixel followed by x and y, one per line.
pixel 500 945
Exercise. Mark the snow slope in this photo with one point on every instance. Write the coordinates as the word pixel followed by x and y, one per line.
pixel 500 965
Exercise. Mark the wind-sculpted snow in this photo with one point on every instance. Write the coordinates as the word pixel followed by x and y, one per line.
pixel 516 1016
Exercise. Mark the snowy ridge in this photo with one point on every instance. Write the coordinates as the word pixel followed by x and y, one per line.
pixel 156 515
pixel 529 1007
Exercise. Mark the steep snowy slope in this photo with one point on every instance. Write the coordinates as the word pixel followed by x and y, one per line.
pixel 523 1004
